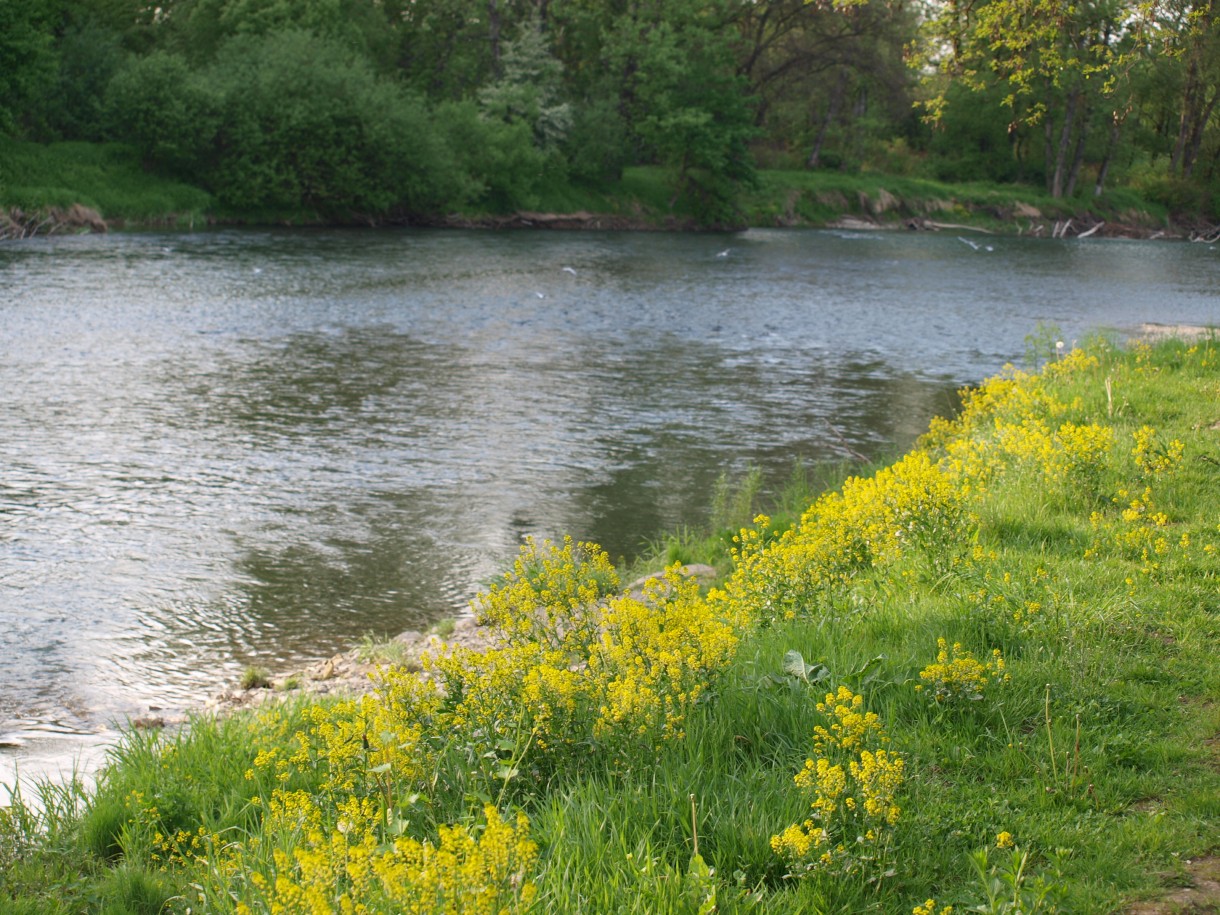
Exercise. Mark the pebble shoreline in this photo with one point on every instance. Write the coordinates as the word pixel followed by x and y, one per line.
pixel 350 673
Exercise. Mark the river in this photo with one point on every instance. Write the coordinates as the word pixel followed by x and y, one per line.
pixel 228 448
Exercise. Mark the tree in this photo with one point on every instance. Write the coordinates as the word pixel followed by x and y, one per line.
pixel 27 57
pixel 822 67
pixel 1194 56
pixel 1059 64
pixel 90 54
pixel 529 89
pixel 199 28
pixel 682 99
pixel 164 109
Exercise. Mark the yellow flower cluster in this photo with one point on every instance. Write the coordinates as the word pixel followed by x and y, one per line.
pixel 622 672
pixel 574 669
pixel 182 847
pixel 957 676
pixel 851 726
pixel 1011 394
pixel 550 595
pixel 480 870
pixel 911 508
pixel 1141 532
pixel 1016 420
pixel 854 784
pixel 929 908
pixel 655 657
pixel 1151 456
pixel 1069 453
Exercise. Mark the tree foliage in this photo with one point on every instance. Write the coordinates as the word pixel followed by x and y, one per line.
pixel 355 109
pixel 27 56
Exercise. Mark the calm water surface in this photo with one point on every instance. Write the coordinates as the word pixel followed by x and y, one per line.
pixel 242 447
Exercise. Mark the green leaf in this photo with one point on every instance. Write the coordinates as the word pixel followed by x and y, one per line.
pixel 701 885
pixel 868 672
pixel 794 664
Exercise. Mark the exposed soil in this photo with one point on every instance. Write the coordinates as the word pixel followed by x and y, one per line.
pixel 1200 895
pixel 17 223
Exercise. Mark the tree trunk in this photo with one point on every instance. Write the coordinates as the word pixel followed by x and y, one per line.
pixel 493 33
pixel 1191 154
pixel 1103 171
pixel 1082 133
pixel 1196 106
pixel 1189 96
pixel 832 111
pixel 1056 153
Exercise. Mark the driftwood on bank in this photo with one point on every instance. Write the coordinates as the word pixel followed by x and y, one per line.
pixel 931 225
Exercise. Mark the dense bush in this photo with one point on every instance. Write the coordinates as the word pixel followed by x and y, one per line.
pixel 160 106
pixel 306 124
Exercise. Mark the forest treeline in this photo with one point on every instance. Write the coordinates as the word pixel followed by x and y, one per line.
pixel 353 109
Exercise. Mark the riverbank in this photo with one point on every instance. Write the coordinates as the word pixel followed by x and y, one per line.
pixel 69 188
pixel 351 671
pixel 997 654
pixel 77 219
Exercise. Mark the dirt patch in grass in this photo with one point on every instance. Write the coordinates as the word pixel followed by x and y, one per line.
pixel 1199 897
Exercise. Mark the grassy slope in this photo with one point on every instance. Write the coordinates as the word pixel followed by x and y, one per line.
pixel 1095 577
pixel 787 197
pixel 105 177
pixel 108 178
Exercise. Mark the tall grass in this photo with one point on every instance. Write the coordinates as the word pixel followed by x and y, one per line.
pixel 104 176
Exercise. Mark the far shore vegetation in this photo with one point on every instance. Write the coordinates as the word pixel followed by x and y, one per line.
pixel 979 678
pixel 78 187
pixel 668 114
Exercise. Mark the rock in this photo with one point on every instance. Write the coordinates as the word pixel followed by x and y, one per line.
pixel 885 202
pixel 325 670
pixel 1025 211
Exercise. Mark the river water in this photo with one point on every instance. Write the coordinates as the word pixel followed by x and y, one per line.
pixel 237 447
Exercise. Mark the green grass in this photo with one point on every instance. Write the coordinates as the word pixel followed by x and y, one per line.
pixel 108 178
pixel 104 176
pixel 818 197
pixel 1097 756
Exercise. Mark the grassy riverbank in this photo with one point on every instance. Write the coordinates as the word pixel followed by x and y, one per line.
pixel 36 179
pixel 983 676
pixel 39 184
